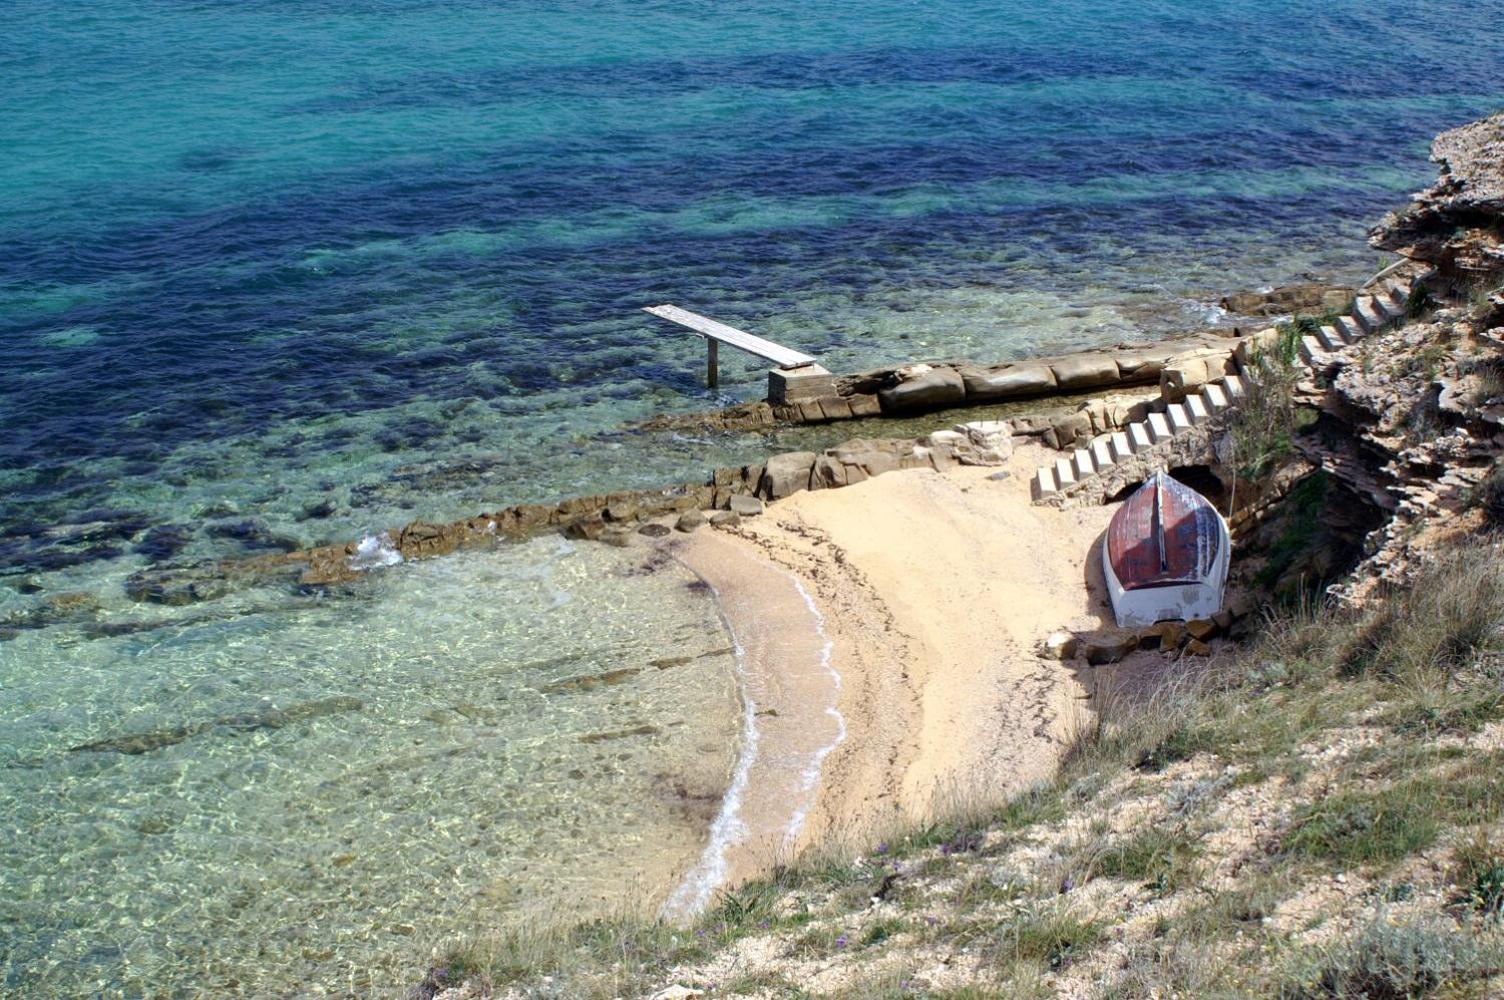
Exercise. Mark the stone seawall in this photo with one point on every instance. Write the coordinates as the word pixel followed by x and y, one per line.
pixel 903 390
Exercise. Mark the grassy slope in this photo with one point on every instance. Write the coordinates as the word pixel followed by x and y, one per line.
pixel 1317 815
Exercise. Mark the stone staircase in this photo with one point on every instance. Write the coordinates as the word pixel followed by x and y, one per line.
pixel 1172 430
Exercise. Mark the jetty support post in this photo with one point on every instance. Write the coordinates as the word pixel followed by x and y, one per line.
pixel 712 362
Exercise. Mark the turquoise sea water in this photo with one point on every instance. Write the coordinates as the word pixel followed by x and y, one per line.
pixel 274 273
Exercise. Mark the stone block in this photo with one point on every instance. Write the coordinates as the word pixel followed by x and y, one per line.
pixel 1085 371
pixel 828 472
pixel 809 411
pixel 786 474
pixel 1065 431
pixel 791 385
pixel 1007 383
pixel 863 405
pixel 746 506
pixel 1107 646
pixel 621 511
pixel 1059 646
pixel 835 407
pixel 923 388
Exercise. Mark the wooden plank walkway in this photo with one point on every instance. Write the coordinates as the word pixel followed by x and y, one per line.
pixel 714 332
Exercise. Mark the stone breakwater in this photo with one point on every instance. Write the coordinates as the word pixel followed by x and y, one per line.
pixel 904 389
pixel 1135 376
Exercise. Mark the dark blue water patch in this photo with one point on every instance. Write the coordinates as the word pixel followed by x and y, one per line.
pixel 500 192
pixel 658 77
pixel 340 370
pixel 1182 52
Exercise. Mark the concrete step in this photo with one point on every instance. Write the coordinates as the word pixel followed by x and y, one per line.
pixel 1216 397
pixel 1235 388
pixel 1330 339
pixel 1139 437
pixel 1081 464
pixel 1311 351
pixel 1064 474
pixel 1367 314
pixel 1197 410
pixel 1044 483
pixel 1122 448
pixel 1101 453
pixel 1350 330
pixel 1180 420
pixel 1391 310
pixel 1159 428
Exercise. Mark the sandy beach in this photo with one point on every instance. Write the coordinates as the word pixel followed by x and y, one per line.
pixel 888 635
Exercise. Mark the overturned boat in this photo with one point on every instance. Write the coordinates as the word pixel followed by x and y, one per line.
pixel 1165 555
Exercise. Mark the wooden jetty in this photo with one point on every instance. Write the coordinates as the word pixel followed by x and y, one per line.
pixel 794 375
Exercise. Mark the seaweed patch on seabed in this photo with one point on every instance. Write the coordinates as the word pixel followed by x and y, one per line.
pixel 657 561
pixel 590 682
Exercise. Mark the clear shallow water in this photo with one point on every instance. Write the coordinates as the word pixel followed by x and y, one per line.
pixel 277 273
pixel 306 795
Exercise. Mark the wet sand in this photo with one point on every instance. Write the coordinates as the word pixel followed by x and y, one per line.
pixel 887 634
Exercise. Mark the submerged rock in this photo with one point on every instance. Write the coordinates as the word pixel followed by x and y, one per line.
pixel 620 734
pixel 164 541
pixel 1305 297
pixel 590 682
pixel 269 718
pixel 178 585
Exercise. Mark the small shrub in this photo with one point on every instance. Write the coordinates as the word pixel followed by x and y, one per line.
pixel 880 932
pixel 1265 423
pixel 1480 875
pixel 746 905
pixel 1385 961
pixel 1048 935
pixel 1160 858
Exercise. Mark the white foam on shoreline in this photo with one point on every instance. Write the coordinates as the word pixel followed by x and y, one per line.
pixel 374 551
pixel 810 779
pixel 695 891
pixel 699 885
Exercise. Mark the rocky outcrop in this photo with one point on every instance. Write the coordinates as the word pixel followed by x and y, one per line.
pixel 1290 299
pixel 1454 224
pixel 986 442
